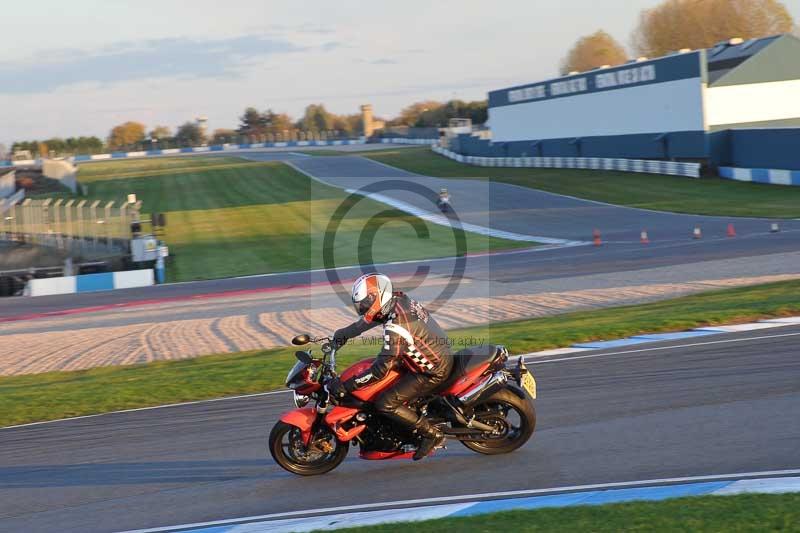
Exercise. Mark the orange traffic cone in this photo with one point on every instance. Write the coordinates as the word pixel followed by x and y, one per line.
pixel 596 237
pixel 644 239
pixel 697 234
pixel 731 231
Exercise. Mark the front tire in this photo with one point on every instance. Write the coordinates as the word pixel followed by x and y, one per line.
pixel 287 448
pixel 497 411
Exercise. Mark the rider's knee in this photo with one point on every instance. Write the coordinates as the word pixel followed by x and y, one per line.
pixel 384 404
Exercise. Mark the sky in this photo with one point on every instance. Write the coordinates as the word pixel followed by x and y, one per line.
pixel 81 67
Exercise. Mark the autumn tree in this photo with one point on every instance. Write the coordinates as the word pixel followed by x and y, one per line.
pixel 126 135
pixel 316 118
pixel 592 51
pixel 160 133
pixel 676 24
pixel 189 134
pixel 409 115
pixel 223 136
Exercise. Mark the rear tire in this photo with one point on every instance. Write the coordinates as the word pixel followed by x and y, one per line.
pixel 287 448
pixel 494 411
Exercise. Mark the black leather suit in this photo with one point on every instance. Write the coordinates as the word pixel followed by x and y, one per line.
pixel 413 341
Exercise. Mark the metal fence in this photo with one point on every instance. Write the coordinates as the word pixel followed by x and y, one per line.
pixel 78 226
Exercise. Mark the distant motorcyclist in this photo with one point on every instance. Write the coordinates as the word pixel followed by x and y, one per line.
pixel 412 343
pixel 443 202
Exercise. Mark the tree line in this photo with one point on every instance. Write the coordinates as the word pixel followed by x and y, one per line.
pixel 676 24
pixel 255 126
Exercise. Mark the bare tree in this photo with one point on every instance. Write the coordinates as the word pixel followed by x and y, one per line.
pixel 676 24
pixel 592 51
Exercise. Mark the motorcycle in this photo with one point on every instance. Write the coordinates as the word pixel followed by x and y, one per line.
pixel 443 203
pixel 485 405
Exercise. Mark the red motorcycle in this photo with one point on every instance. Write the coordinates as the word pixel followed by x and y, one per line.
pixel 483 404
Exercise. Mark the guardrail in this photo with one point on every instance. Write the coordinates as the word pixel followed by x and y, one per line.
pixel 406 140
pixel 691 170
pixel 104 281
pixel 769 176
pixel 190 150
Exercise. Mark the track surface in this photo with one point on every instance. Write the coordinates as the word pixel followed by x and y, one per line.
pixel 712 408
pixel 504 207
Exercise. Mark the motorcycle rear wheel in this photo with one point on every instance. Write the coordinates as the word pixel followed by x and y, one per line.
pixel 495 411
pixel 287 448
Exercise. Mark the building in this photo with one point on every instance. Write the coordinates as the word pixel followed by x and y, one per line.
pixel 663 108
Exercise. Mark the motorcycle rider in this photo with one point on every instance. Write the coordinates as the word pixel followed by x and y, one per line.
pixel 413 342
pixel 444 199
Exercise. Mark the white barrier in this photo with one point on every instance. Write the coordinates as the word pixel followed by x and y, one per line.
pixel 647 166
pixel 51 286
pixel 133 278
pixel 104 281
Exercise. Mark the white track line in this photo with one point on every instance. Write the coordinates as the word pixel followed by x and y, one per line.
pixel 473 497
pixel 658 348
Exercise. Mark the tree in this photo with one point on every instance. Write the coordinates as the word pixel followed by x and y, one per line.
pixel 316 118
pixel 223 136
pixel 592 51
pixel 189 134
pixel 410 114
pixel 676 24
pixel 126 135
pixel 160 133
pixel 252 122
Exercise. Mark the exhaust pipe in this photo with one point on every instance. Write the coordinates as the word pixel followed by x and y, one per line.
pixel 489 387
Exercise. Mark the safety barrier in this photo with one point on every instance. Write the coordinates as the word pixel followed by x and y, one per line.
pixel 691 170
pixel 191 150
pixel 104 281
pixel 770 176
pixel 407 140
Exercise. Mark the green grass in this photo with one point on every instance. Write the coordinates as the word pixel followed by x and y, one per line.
pixel 740 513
pixel 230 217
pixel 706 196
pixel 62 394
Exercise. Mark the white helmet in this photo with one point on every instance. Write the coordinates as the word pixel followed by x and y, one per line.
pixel 371 294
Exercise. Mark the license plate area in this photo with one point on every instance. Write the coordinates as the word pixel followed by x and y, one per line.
pixel 529 384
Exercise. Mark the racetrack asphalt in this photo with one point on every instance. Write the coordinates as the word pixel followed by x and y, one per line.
pixel 710 406
pixel 504 207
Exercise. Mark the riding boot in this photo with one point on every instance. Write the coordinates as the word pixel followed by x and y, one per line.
pixel 431 437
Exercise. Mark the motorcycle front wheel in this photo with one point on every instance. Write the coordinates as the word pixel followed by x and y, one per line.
pixel 322 455
pixel 514 418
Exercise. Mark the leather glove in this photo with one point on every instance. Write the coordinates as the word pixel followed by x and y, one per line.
pixel 339 339
pixel 337 389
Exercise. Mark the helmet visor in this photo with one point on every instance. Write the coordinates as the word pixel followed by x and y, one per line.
pixel 363 305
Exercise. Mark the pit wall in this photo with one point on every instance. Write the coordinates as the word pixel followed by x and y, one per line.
pixel 105 281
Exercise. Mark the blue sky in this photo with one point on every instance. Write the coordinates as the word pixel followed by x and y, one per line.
pixel 80 67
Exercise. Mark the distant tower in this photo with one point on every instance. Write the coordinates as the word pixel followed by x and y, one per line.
pixel 202 123
pixel 367 120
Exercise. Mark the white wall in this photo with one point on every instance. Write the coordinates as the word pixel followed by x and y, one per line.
pixel 658 107
pixel 753 102
pixel 133 278
pixel 50 286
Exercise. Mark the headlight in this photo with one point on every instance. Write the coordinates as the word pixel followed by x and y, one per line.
pixel 300 400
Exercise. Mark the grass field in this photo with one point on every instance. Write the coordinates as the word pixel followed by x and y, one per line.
pixel 740 513
pixel 707 196
pixel 228 217
pixel 62 394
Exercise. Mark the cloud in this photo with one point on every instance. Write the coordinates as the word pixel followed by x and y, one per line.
pixel 150 59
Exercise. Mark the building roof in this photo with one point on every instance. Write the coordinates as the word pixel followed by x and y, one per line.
pixel 723 58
